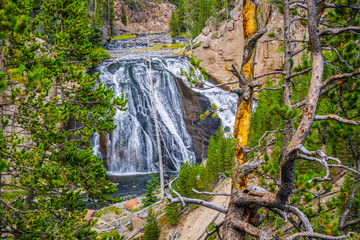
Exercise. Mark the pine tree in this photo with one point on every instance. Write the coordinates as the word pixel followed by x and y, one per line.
pixel 152 229
pixel 152 189
pixel 123 15
pixel 53 160
pixel 174 25
pixel 172 214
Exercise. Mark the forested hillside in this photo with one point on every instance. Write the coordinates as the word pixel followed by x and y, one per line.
pixel 190 17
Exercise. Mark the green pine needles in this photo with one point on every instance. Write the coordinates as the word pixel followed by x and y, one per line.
pixel 152 189
pixel 204 177
pixel 52 109
pixel 152 229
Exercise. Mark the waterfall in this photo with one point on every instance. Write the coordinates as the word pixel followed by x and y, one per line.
pixel 131 147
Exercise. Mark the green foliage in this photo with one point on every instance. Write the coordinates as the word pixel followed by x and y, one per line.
pixel 58 108
pixel 196 75
pixel 174 28
pixel 112 235
pixel 124 36
pixel 116 210
pixel 152 189
pixel 102 14
pixel 221 151
pixel 271 35
pixel 172 213
pixel 123 15
pixel 152 229
pixel 191 16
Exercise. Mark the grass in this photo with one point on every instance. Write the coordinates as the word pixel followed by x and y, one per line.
pixel 108 209
pixel 124 36
pixel 167 46
pixel 108 235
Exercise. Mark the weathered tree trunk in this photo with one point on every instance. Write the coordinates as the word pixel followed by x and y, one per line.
pixel 242 126
pixel 157 133
pixel 287 67
pixel 289 155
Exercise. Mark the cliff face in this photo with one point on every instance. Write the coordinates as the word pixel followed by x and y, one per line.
pixel 194 104
pixel 223 45
pixel 143 17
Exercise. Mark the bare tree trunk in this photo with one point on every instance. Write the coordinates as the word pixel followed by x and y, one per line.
pixel 157 133
pixel 242 126
pixel 289 156
pixel 287 67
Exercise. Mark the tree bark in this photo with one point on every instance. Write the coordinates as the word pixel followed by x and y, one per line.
pixel 242 126
pixel 287 77
pixel 287 174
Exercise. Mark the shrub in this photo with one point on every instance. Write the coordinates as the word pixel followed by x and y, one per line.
pixel 152 229
pixel 152 188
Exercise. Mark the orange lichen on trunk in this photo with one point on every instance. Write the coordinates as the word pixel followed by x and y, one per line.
pixel 249 22
pixel 243 114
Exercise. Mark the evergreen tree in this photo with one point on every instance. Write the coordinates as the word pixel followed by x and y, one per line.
pixel 123 15
pixel 152 229
pixel 152 189
pixel 49 159
pixel 172 214
pixel 174 25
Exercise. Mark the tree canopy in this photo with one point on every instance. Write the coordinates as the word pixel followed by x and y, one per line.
pixel 49 109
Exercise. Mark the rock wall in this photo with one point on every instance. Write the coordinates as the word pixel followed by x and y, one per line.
pixel 194 104
pixel 223 45
pixel 151 17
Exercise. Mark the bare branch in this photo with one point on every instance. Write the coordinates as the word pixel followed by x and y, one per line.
pixel 301 216
pixel 241 78
pixel 343 6
pixel 339 77
pixel 269 73
pixel 268 88
pixel 332 86
pixel 248 228
pixel 191 200
pixel 300 73
pixel 336 118
pixel 211 193
pixel 345 167
pixel 250 45
pixel 317 235
pixel 332 31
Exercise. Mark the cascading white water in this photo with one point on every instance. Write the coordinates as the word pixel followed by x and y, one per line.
pixel 216 95
pixel 131 148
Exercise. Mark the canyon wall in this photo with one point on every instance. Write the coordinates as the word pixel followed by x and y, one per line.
pixel 222 44
pixel 143 17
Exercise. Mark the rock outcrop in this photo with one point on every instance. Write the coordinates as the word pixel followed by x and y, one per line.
pixel 194 104
pixel 222 45
pixel 143 17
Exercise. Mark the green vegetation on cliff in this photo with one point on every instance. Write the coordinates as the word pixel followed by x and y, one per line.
pixel 192 15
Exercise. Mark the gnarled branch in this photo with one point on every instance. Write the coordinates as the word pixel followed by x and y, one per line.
pixel 336 118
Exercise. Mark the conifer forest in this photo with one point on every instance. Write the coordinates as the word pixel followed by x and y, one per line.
pixel 179 119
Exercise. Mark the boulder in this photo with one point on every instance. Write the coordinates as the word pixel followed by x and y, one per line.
pixel 137 223
pixel 131 204
pixel 206 44
pixel 206 31
pixel 100 224
pixel 89 215
pixel 230 25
